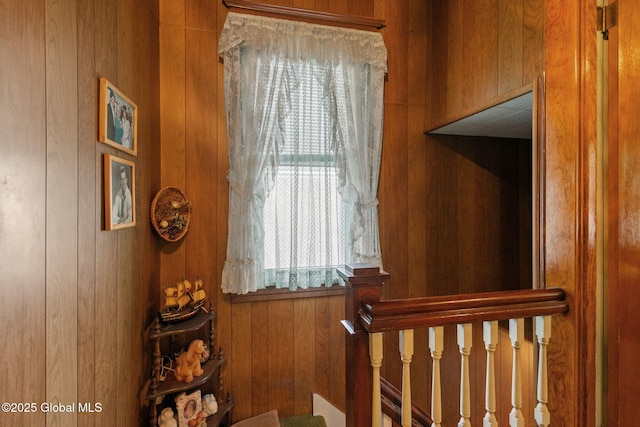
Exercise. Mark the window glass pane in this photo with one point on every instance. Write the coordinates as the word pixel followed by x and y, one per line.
pixel 304 216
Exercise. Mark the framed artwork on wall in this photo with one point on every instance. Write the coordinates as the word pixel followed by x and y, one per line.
pixel 119 193
pixel 118 125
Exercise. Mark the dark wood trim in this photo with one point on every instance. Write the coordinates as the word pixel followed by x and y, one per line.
pixel 327 18
pixel 392 406
pixel 273 294
pixel 455 309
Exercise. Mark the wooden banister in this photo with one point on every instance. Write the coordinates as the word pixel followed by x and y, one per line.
pixel 379 316
pixel 392 405
pixel 366 314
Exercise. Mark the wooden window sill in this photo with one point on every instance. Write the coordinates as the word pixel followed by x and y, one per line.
pixel 273 294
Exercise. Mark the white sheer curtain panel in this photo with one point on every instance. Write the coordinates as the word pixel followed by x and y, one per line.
pixel 267 66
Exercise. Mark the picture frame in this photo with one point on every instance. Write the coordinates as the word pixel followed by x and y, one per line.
pixel 118 119
pixel 119 193
pixel 188 407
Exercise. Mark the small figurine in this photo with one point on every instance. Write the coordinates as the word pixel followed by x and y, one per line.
pixel 209 404
pixel 198 421
pixel 188 363
pixel 166 418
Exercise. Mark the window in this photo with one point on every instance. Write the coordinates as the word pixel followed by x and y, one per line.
pixel 304 123
pixel 304 216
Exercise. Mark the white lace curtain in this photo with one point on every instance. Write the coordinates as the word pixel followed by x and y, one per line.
pixel 261 72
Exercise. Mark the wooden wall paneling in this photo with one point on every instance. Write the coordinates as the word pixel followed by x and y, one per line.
pixel 417 205
pixel 379 7
pixel 432 179
pixel 221 209
pixel 260 357
pixel 612 206
pixel 304 4
pixel 338 6
pixel 418 48
pixel 241 357
pixel 281 372
pixel 446 185
pixel 480 38
pixel 106 63
pixel 360 7
pixel 22 213
pixel 455 66
pixel 503 45
pixel 127 330
pixel 322 347
pixel 336 352
pixel 392 191
pixel 172 130
pixel 510 45
pixel 533 40
pixel 396 40
pixel 563 250
pixel 61 218
pixel 88 217
pixel 131 19
pixel 450 374
pixel 147 256
pixel 472 219
pixel 148 161
pixel 201 14
pixel 154 5
pixel 525 222
pixel 173 12
pixel 624 206
pixel 201 157
pixel 304 359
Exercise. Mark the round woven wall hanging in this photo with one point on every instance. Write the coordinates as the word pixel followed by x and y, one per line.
pixel 170 214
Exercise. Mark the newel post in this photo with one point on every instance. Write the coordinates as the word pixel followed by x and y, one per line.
pixel 362 281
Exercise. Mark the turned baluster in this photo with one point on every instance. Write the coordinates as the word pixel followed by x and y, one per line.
pixel 464 343
pixel 436 346
pixel 490 336
pixel 375 353
pixel 516 334
pixel 406 354
pixel 543 332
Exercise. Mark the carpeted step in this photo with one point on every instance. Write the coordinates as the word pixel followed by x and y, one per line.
pixel 303 421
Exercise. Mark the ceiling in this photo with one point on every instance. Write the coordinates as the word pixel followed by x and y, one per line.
pixel 511 119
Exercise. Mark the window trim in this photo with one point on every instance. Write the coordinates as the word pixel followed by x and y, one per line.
pixel 277 294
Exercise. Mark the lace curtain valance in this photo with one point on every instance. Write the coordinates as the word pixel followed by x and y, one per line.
pixel 305 40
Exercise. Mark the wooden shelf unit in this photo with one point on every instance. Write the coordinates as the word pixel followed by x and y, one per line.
pixel 159 389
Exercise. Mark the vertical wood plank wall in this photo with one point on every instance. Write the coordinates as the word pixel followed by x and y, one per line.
pixel 261 337
pixel 85 296
pixel 483 50
pixel 79 296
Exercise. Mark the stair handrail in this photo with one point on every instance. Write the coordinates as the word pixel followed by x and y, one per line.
pixel 367 314
pixel 424 312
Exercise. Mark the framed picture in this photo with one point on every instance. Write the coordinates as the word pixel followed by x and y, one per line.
pixel 188 407
pixel 119 193
pixel 118 119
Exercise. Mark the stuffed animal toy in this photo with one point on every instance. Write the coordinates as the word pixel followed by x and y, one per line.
pixel 209 405
pixel 188 363
pixel 166 418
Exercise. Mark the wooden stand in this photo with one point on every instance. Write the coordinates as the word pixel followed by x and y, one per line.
pixel 158 390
